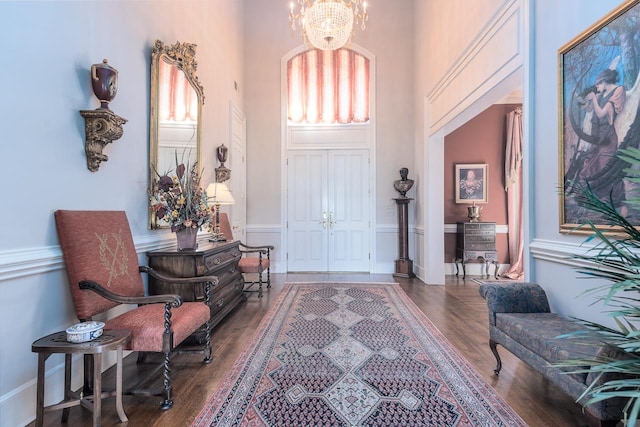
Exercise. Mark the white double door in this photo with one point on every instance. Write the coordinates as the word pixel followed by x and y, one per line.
pixel 328 211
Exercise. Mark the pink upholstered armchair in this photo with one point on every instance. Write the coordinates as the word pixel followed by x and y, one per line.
pixel 257 263
pixel 103 272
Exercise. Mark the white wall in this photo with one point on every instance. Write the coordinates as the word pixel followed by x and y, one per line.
pixel 459 74
pixel 388 36
pixel 47 51
pixel 437 48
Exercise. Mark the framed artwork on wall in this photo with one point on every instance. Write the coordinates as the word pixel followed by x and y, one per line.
pixel 598 114
pixel 471 183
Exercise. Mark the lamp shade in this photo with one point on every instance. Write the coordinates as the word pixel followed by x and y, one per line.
pixel 218 192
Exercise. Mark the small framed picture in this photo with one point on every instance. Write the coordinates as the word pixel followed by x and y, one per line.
pixel 471 183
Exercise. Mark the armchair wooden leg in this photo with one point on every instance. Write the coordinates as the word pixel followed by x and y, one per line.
pixel 207 344
pixel 269 270
pixel 260 270
pixel 168 403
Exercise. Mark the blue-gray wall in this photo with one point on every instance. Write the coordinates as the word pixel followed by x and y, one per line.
pixel 47 49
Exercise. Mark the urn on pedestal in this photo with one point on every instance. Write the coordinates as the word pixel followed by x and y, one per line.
pixel 102 126
pixel 222 172
pixel 104 81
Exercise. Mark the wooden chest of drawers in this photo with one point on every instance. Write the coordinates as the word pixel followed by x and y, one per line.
pixel 217 259
pixel 476 242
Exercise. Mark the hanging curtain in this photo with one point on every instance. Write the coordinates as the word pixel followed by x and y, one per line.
pixel 513 186
pixel 328 87
pixel 177 100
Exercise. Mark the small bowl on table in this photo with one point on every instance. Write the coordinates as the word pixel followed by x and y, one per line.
pixel 85 331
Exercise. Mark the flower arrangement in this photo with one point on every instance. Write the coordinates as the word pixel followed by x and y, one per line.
pixel 179 200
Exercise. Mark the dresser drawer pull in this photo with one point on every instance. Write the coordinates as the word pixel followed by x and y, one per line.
pixel 220 302
pixel 216 261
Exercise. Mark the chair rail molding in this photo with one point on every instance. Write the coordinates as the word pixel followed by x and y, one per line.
pixel 19 263
pixel 26 262
pixel 559 252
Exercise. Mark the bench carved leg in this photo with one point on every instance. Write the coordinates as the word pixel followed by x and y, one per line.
pixel 494 349
pixel 595 421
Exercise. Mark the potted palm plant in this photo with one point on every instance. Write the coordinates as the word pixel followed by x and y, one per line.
pixel 616 258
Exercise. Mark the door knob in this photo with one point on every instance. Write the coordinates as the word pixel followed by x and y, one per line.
pixel 324 220
pixel 331 221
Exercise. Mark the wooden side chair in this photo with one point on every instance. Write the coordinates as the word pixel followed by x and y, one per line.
pixel 250 264
pixel 103 272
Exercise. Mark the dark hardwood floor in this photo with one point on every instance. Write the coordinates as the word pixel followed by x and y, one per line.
pixel 456 309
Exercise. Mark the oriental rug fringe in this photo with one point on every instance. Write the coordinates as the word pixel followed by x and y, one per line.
pixel 352 354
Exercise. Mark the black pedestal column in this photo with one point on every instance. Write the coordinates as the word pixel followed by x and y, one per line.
pixel 404 266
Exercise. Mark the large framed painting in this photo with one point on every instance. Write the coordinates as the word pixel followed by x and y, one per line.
pixel 598 92
pixel 471 183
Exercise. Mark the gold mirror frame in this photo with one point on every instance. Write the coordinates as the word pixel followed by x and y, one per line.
pixel 182 56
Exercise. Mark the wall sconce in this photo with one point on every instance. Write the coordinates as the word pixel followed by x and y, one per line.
pixel 102 126
pixel 222 173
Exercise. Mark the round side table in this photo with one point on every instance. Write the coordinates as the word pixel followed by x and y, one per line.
pixel 57 343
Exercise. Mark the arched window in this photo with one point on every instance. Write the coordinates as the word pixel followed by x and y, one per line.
pixel 179 100
pixel 328 87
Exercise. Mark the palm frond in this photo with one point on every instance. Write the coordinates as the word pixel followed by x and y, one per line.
pixel 615 258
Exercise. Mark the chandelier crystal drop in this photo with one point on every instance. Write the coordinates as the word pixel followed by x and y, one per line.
pixel 328 24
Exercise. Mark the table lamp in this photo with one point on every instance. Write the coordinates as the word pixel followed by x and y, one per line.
pixel 218 194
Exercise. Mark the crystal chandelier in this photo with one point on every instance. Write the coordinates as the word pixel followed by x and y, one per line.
pixel 328 24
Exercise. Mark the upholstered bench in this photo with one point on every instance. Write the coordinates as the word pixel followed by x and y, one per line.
pixel 521 321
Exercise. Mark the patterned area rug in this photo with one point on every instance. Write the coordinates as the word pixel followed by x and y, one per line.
pixel 352 354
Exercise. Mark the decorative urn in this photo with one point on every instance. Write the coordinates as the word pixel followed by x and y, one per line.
pixel 104 81
pixel 473 213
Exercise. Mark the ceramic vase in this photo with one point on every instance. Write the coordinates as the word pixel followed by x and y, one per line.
pixel 104 81
pixel 187 239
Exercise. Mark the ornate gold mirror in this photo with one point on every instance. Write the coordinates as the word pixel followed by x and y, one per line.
pixel 177 98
